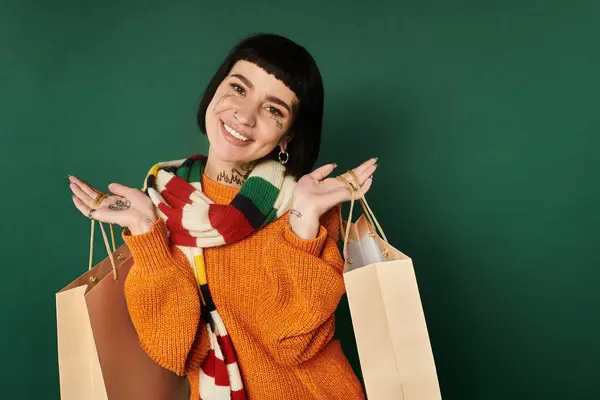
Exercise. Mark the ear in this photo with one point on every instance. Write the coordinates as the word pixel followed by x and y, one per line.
pixel 285 140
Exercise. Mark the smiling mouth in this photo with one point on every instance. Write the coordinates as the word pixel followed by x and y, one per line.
pixel 235 133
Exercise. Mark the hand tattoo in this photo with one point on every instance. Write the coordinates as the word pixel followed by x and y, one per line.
pixel 120 205
pixel 236 176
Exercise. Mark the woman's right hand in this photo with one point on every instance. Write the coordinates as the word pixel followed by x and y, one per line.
pixel 128 207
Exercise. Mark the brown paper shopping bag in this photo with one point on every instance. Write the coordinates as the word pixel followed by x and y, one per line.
pixel 99 354
pixel 389 325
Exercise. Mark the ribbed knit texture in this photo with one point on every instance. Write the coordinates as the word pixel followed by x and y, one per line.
pixel 275 292
pixel 193 222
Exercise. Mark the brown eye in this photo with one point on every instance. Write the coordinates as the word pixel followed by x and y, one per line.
pixel 274 111
pixel 237 88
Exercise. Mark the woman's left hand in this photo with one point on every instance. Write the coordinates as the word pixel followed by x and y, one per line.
pixel 315 194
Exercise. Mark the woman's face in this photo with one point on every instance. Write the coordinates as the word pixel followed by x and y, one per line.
pixel 249 114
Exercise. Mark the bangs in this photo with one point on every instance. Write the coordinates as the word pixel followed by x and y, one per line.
pixel 293 65
pixel 283 62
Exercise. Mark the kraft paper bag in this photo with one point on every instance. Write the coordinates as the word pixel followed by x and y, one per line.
pixel 99 355
pixel 385 306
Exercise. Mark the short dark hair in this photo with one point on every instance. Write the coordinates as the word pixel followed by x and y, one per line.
pixel 293 65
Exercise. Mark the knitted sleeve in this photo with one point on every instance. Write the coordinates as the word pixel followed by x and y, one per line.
pixel 296 319
pixel 163 301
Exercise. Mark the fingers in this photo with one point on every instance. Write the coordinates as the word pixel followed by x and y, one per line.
pixel 84 202
pixel 366 165
pixel 81 206
pixel 84 186
pixel 101 215
pixel 365 187
pixel 345 193
pixel 322 172
pixel 82 196
pixel 363 173
pixel 120 190
pixel 86 193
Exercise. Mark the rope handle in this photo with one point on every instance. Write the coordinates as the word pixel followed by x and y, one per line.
pixel 347 234
pixel 97 202
pixel 370 214
pixel 366 208
pixel 362 203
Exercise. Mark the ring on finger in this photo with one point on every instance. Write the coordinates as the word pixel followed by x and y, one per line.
pixel 90 213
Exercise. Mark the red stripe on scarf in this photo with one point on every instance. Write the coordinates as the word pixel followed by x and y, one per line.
pixel 180 187
pixel 175 201
pixel 227 349
pixel 178 234
pixel 215 368
pixel 229 222
pixel 238 395
pixel 174 218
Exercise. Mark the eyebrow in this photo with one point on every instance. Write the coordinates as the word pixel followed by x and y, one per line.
pixel 272 99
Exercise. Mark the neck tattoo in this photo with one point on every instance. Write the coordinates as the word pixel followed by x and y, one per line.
pixel 237 175
pixel 296 213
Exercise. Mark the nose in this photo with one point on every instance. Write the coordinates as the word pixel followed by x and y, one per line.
pixel 244 116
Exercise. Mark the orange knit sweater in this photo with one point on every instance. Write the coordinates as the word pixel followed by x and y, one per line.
pixel 276 293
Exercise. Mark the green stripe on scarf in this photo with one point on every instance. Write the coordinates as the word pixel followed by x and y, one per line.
pixel 263 194
pixel 196 171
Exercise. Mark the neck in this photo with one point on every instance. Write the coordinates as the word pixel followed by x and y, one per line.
pixel 228 173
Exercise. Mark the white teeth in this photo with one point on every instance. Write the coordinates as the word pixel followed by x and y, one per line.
pixel 235 134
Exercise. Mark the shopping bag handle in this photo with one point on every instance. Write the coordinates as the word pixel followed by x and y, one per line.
pixel 347 234
pixel 371 224
pixel 366 208
pixel 365 205
pixel 370 214
pixel 97 202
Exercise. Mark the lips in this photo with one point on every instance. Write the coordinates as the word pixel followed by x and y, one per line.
pixel 236 133
pixel 231 136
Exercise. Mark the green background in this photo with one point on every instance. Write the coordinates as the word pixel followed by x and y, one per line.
pixel 484 115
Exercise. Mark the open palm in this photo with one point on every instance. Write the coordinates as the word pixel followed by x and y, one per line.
pixel 126 207
pixel 316 193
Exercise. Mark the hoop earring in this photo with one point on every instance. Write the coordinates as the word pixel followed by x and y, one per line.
pixel 284 157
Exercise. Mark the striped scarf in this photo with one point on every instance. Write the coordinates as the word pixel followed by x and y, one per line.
pixel 194 222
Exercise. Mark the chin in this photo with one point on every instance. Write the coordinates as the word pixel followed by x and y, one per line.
pixel 227 153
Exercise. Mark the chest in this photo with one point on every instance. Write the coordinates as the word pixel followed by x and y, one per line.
pixel 239 274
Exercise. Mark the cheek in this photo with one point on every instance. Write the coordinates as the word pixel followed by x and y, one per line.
pixel 211 117
pixel 271 134
pixel 220 102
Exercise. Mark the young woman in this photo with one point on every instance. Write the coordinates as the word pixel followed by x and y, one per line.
pixel 237 272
